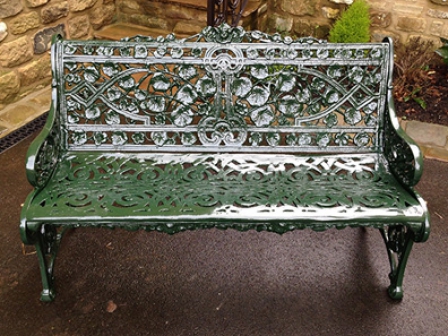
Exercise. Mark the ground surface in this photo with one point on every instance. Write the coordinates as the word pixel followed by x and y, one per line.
pixel 113 282
pixel 435 96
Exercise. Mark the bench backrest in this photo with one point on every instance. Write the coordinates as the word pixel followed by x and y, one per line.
pixel 222 90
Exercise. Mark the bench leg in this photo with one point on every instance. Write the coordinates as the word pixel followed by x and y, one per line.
pixel 47 244
pixel 399 241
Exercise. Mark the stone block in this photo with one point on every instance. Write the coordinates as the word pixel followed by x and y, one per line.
pixel 330 13
pixel 16 52
pixel 10 8
pixel 102 15
pixel 19 114
pixel 78 26
pixel 411 24
pixel 9 86
pixel 280 24
pixel 24 22
pixel 427 134
pixel 54 11
pixel 36 3
pixel 80 5
pixel 42 39
pixel 299 7
pixel 435 13
pixel 35 71
pixel 381 19
pixel 188 29
pixel 436 28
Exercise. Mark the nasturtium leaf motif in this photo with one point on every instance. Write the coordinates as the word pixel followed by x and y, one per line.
pixel 241 108
pixel 73 118
pixel 91 74
pixel 291 53
pixel 111 69
pixel 331 96
pixel 112 118
pixel 241 86
pixel 206 86
pixel 262 116
pixel 119 138
pixel 352 116
pixel 79 137
pixel 127 82
pixel 186 94
pixel 317 84
pixel 159 138
pixel 72 79
pixel 356 74
pixel 291 139
pixel 132 108
pixel 138 138
pixel 289 105
pixel 362 139
pixel 140 51
pixel 322 53
pixel 286 82
pixel 335 71
pixel 125 51
pixel 255 138
pixel 314 108
pixel 252 53
pixel 113 93
pixel 140 94
pixel 187 71
pixel 196 52
pixel 303 96
pixel 307 53
pixel 70 49
pixel 160 51
pixel 71 66
pixel 273 139
pixel 305 139
pixel 160 82
pixel 105 51
pixel 177 52
pixel 371 107
pixel 323 140
pixel 259 71
pixel 182 116
pixel 204 109
pixel 188 139
pixel 259 96
pixel 331 120
pixel 93 112
pixel 376 53
pixel 370 120
pixel 156 103
pixel 342 139
pixel 99 138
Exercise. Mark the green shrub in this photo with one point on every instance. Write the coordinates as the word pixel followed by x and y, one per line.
pixel 353 26
pixel 443 50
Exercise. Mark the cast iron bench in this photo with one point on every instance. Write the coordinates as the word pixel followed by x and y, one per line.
pixel 224 129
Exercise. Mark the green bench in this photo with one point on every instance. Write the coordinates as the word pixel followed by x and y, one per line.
pixel 224 129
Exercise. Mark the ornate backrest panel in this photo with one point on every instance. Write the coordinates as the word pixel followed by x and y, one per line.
pixel 221 90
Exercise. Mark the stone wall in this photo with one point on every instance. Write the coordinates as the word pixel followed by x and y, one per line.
pixel 26 27
pixel 401 19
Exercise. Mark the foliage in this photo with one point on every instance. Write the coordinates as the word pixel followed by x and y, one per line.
pixel 412 72
pixel 353 26
pixel 443 50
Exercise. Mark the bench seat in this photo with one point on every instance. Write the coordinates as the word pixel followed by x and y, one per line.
pixel 286 191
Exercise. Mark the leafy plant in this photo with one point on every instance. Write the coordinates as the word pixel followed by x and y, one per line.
pixel 353 26
pixel 412 71
pixel 443 50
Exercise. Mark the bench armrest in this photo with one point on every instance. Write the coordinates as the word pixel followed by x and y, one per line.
pixel 403 154
pixel 44 152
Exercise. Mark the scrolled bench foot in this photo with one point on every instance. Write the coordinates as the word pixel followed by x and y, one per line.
pixel 395 292
pixel 399 241
pixel 47 295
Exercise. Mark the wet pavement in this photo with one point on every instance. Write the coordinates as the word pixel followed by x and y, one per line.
pixel 114 282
